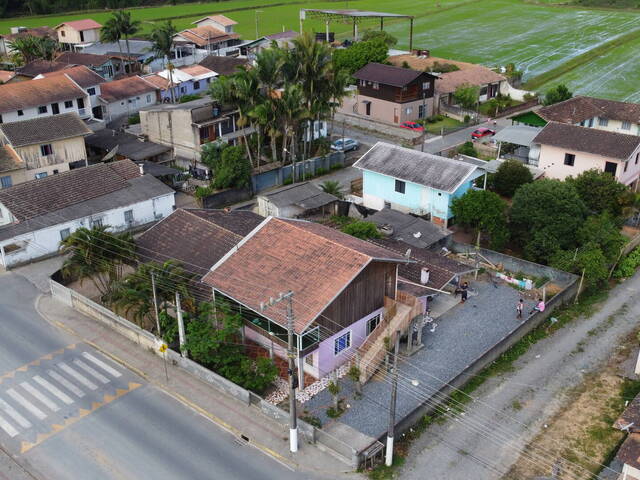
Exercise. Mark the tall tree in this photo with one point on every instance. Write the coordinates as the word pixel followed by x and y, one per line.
pixel 510 176
pixel 32 48
pixel 557 94
pixel 485 212
pixel 601 192
pixel 110 33
pixel 127 28
pixel 162 38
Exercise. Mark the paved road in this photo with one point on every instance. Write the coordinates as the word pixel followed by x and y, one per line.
pixel 68 412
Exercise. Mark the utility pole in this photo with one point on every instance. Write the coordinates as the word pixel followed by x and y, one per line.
pixel 291 354
pixel 257 12
pixel 392 407
pixel 424 116
pixel 155 301
pixel 181 334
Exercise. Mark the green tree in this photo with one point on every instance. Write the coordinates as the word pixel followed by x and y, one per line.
pixel 557 94
pixel 363 230
pixel 602 232
pixel 601 192
pixel 467 96
pixel 332 187
pixel 467 148
pixel 233 169
pixel 379 36
pixel 161 37
pixel 545 216
pixel 353 58
pixel 484 211
pixel 110 33
pixel 589 259
pixel 510 176
pixel 30 48
pixel 127 27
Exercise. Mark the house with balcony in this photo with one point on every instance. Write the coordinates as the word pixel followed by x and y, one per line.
pixel 78 33
pixel 36 215
pixel 185 127
pixel 46 146
pixel 125 97
pixel 568 150
pixel 42 98
pixel 414 182
pixel 391 94
pixel 213 33
pixel 86 79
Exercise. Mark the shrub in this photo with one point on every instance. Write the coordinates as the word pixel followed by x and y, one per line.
pixel 321 171
pixel 233 170
pixel 530 96
pixel 467 148
pixel 510 176
pixel 134 119
pixel 202 192
pixel 337 166
pixel 363 230
pixel 188 98
pixel 287 181
pixel 467 119
pixel 627 266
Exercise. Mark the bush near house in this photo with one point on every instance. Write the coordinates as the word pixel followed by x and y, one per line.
pixel 510 176
pixel 363 230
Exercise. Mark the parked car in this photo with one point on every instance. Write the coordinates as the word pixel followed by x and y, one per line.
pixel 413 126
pixel 482 132
pixel 345 145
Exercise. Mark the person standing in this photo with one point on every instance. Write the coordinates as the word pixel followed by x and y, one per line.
pixel 520 308
pixel 464 290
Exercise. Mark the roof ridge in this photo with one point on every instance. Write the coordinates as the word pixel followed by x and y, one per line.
pixel 208 222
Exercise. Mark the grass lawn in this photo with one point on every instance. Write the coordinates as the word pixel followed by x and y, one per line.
pixel 447 123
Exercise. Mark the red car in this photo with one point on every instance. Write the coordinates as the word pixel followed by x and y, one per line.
pixel 412 126
pixel 482 132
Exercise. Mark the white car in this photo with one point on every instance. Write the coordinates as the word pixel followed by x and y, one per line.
pixel 345 145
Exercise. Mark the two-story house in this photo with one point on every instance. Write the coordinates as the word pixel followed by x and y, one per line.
pixel 41 98
pixel 45 146
pixel 414 182
pixel 568 150
pixel 125 97
pixel 391 94
pixel 104 65
pixel 78 32
pixel 191 80
pixel 213 33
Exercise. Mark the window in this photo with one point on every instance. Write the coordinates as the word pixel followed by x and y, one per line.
pixel 372 323
pixel 183 90
pixel 626 164
pixel 128 216
pixel 611 168
pixel 1 121
pixel 375 85
pixel 41 175
pixel 400 186
pixel 409 110
pixel 569 159
pixel 426 85
pixel 196 85
pixel 96 222
pixel 80 102
pixel 637 156
pixel 148 98
pixel 68 104
pixel 91 91
pixel 6 182
pixel 309 360
pixel 46 149
pixel 20 113
pixel 626 125
pixel 603 122
pixel 363 83
pixel 387 204
pixel 42 109
pixel 55 172
pixel 342 343
pixel 64 234
pixel 62 33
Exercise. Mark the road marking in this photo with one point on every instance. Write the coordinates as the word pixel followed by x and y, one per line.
pixel 35 362
pixel 41 398
pixel 83 380
pixel 23 422
pixel 7 427
pixel 35 411
pixel 66 383
pixel 101 364
pixel 62 396
pixel 91 371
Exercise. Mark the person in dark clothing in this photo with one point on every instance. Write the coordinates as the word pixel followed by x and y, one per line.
pixel 463 291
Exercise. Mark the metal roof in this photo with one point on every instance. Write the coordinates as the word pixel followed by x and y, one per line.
pixel 415 231
pixel 517 134
pixel 304 195
pixel 352 13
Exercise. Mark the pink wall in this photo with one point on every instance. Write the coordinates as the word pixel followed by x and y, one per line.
pixel 383 110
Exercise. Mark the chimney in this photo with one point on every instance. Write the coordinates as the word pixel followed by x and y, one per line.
pixel 424 276
pixel 141 166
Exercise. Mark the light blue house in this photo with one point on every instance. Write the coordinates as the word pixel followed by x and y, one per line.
pixel 414 182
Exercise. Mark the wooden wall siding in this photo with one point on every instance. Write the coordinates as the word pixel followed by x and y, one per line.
pixel 64 151
pixel 396 94
pixel 364 295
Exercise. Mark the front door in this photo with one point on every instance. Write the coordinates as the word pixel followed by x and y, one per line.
pixel 55 108
pixel 396 118
pixel 611 168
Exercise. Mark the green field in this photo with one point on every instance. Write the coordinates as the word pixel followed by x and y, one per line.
pixel 536 37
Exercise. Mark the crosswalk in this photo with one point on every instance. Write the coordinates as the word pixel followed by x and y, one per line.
pixel 58 386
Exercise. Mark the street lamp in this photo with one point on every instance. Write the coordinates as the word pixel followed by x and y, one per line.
pixel 257 12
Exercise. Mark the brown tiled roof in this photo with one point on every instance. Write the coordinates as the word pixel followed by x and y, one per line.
pixel 87 59
pixel 196 238
pixel 6 75
pixel 9 159
pixel 631 414
pixel 158 81
pixel 195 70
pixel 589 140
pixel 223 65
pixel 315 261
pixel 85 24
pixel 44 129
pixel 45 195
pixel 388 74
pixel 206 35
pixel 125 88
pixel 37 67
pixel 36 32
pixel 221 19
pixel 83 76
pixel 425 63
pixel 629 451
pixel 580 108
pixel 476 76
pixel 32 93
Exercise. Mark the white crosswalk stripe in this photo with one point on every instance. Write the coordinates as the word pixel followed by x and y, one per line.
pixel 65 383
pixel 26 404
pixel 54 390
pixel 7 427
pixel 35 393
pixel 80 378
pixel 23 422
pixel 101 364
pixel 91 371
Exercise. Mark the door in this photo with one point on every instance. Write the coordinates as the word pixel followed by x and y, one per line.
pixel 367 108
pixel 611 168
pixel 396 118
pixel 55 109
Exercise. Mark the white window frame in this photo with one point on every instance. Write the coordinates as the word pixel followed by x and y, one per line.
pixel 65 233
pixel 626 125
pixel 346 334
pixel 379 319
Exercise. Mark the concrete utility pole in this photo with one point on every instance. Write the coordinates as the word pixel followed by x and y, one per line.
pixel 155 301
pixel 392 408
pixel 181 334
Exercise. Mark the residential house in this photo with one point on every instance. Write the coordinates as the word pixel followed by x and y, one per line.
pixel 187 126
pixel 515 142
pixel 191 80
pixel 38 214
pixel 140 51
pixel 35 68
pixel 107 144
pixel 12 167
pixel 414 231
pixel 20 32
pixel 281 39
pixel 41 98
pixel 391 94
pixel 125 97
pixel 223 66
pixel 105 66
pixel 213 34
pixel 296 201
pixel 342 288
pixel 414 182
pixel 46 146
pixel 568 150
pixel 629 452
pixel 78 32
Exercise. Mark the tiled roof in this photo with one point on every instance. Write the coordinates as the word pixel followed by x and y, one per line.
pixel 44 129
pixel 196 238
pixel 580 108
pixel 289 34
pixel 37 67
pixel 158 81
pixel 315 261
pixel 388 74
pixel 6 75
pixel 85 24
pixel 83 76
pixel 125 88
pixel 223 65
pixel 221 19
pixel 87 59
pixel 629 451
pixel 631 414
pixel 476 76
pixel 45 195
pixel 589 140
pixel 9 159
pixel 197 71
pixel 22 95
pixel 432 171
pixel 424 63
pixel 35 32
pixel 206 35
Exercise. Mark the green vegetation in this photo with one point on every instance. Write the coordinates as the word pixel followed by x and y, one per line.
pixel 467 148
pixel 363 230
pixel 359 54
pixel 557 94
pixel 628 265
pixel 484 211
pixel 466 96
pixel 233 169
pixel 529 118
pixel 332 187
pixel 510 176
pixel 437 123
pixel 134 119
pixel 601 192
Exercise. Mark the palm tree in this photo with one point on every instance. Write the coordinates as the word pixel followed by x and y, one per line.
pixel 126 27
pixel 162 38
pixel 292 113
pixel 110 33
pixel 332 187
pixel 31 47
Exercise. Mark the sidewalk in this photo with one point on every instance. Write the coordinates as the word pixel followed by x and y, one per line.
pixel 263 433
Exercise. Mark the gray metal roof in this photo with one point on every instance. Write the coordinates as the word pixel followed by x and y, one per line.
pixel 432 171
pixel 304 195
pixel 128 145
pixel 200 102
pixel 415 231
pixel 136 47
pixel 517 134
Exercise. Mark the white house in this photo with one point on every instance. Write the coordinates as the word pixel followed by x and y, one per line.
pixel 36 215
pixel 78 32
pixel 126 97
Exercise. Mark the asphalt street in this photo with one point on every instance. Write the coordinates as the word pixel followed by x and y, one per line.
pixel 69 412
